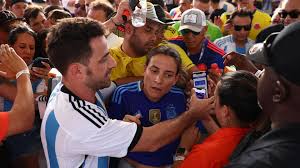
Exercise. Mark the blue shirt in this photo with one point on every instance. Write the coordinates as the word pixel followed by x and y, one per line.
pixel 130 99
pixel 241 50
pixel 208 54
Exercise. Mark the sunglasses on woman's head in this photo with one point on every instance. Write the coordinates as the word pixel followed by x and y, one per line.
pixel 240 27
pixel 294 14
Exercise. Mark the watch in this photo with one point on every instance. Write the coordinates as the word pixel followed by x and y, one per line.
pixel 181 151
pixel 180 154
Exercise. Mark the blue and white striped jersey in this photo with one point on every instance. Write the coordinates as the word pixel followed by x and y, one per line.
pixel 78 133
pixel 228 45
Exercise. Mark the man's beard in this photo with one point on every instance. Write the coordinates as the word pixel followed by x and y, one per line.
pixel 135 44
pixel 95 84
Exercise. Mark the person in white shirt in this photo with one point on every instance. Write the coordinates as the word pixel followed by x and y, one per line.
pixel 240 26
pixel 76 130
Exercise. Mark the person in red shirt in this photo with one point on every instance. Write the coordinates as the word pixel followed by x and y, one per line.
pixel 236 108
pixel 20 117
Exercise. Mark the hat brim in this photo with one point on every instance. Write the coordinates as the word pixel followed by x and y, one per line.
pixel 257 53
pixel 193 28
pixel 168 21
pixel 156 20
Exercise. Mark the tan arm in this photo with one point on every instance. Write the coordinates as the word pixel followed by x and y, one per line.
pixel 163 133
pixel 21 115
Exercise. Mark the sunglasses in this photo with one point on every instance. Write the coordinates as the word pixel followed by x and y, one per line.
pixel 239 27
pixel 186 31
pixel 294 14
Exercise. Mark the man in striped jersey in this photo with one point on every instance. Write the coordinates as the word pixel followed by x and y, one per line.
pixel 76 131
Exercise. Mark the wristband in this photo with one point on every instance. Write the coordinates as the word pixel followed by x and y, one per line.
pixel 24 71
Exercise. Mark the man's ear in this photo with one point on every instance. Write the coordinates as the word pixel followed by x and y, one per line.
pixel 226 111
pixel 76 71
pixel 205 29
pixel 280 92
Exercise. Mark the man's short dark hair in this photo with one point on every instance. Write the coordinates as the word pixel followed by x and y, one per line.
pixel 6 16
pixel 105 6
pixel 32 12
pixel 238 91
pixel 57 14
pixel 203 1
pixel 165 50
pixel 240 13
pixel 215 1
pixel 69 41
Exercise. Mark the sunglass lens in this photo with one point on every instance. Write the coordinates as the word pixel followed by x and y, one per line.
pixel 184 31
pixel 247 28
pixel 237 28
pixel 196 33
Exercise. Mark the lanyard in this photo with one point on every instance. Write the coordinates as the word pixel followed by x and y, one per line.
pixel 200 54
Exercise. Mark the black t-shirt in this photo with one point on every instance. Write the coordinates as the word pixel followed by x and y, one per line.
pixel 278 148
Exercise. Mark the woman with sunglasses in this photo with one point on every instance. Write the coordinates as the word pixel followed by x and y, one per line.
pixel 240 26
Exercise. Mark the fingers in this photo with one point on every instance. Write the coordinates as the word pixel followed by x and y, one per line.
pixel 130 118
pixel 193 93
pixel 211 100
pixel 138 116
pixel 123 9
pixel 3 74
pixel 40 72
pixel 230 58
pixel 4 52
pixel 10 60
pixel 47 66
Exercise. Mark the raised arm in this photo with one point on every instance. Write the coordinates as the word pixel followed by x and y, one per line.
pixel 21 115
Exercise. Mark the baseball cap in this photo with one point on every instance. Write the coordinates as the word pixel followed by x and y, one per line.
pixel 6 16
pixel 280 51
pixel 151 13
pixel 192 19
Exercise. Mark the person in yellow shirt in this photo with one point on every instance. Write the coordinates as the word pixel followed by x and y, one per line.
pixel 138 41
pixel 260 20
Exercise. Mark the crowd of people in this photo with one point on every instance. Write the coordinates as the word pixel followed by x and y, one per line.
pixel 125 96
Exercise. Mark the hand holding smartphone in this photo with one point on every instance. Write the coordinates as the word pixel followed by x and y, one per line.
pixel 38 62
